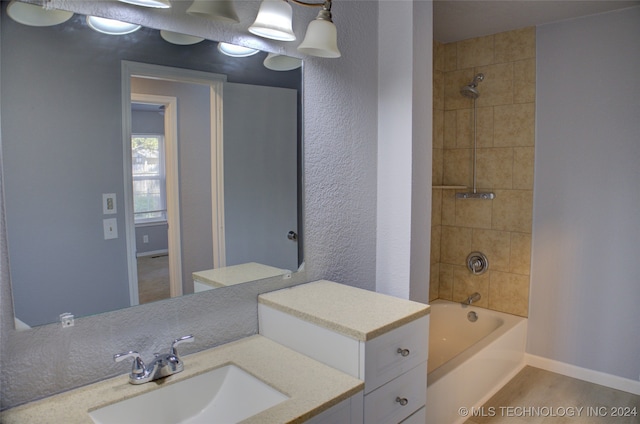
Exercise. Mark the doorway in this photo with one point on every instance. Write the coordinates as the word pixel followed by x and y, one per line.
pixel 155 187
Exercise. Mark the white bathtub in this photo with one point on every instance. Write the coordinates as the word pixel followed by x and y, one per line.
pixel 469 361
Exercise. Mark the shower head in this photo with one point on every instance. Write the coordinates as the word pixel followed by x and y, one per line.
pixel 471 90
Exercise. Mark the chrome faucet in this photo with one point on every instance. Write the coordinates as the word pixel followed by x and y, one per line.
pixel 163 365
pixel 473 298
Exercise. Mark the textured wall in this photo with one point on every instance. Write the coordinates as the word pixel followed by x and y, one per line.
pixel 340 195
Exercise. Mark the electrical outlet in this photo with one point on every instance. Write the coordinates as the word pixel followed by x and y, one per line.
pixel 67 320
pixel 109 203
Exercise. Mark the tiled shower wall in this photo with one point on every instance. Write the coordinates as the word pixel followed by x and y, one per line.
pixel 500 228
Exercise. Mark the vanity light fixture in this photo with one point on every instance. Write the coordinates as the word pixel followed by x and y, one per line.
pixel 234 50
pixel 158 4
pixel 217 10
pixel 34 15
pixel 280 62
pixel 321 39
pixel 111 26
pixel 274 21
pixel 179 38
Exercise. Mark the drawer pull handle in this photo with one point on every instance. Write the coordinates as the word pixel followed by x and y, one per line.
pixel 402 401
pixel 403 352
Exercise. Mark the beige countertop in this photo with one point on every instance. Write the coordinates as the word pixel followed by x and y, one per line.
pixel 312 387
pixel 237 274
pixel 353 312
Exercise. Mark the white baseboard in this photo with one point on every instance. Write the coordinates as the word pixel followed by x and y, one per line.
pixel 152 253
pixel 596 377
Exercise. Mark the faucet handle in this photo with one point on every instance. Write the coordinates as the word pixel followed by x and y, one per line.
pixel 138 365
pixel 176 342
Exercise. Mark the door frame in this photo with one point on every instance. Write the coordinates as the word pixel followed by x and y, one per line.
pixel 215 82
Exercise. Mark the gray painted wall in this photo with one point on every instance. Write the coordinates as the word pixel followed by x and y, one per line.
pixel 55 226
pixel 340 196
pixel 584 288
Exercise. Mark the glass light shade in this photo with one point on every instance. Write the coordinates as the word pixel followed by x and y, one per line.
pixel 111 26
pixel 34 15
pixel 235 50
pixel 321 40
pixel 274 21
pixel 219 10
pixel 179 39
pixel 159 4
pixel 280 62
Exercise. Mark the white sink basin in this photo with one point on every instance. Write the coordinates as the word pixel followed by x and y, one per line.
pixel 224 395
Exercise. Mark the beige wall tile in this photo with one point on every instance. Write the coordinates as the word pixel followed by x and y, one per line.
pixel 457 167
pixel 448 216
pixel 465 284
pixel 473 213
pixel 484 130
pixel 434 282
pixel 436 235
pixel 449 130
pixel 455 245
pixel 497 86
pixel 445 289
pixel 438 90
pixel 436 207
pixel 475 52
pixel 520 261
pixel 438 56
pixel 494 168
pixel 512 210
pixel 464 128
pixel 438 129
pixel 437 167
pixel 495 246
pixel 453 81
pixel 509 293
pixel 513 125
pixel 515 45
pixel 450 57
pixel 524 81
pixel 523 166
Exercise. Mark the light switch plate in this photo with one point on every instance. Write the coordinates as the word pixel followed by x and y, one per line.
pixel 110 228
pixel 109 203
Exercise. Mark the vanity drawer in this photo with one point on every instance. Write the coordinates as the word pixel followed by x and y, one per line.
pixel 395 352
pixel 384 404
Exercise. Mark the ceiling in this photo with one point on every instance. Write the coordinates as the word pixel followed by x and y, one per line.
pixel 455 20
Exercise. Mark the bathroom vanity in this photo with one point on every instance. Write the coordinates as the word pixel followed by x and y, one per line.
pixel 331 352
pixel 314 391
pixel 380 339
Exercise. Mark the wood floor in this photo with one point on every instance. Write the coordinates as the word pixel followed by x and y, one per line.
pixel 539 396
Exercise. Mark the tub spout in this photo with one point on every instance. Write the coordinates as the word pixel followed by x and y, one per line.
pixel 473 298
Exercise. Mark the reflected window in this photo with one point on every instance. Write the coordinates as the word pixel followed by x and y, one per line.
pixel 149 181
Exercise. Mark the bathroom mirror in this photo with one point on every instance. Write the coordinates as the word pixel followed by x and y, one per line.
pixel 71 152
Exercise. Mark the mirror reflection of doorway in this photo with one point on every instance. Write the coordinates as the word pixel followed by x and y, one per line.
pixel 152 153
pixel 149 200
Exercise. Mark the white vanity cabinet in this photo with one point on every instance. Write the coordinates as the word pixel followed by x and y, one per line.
pixel 377 338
